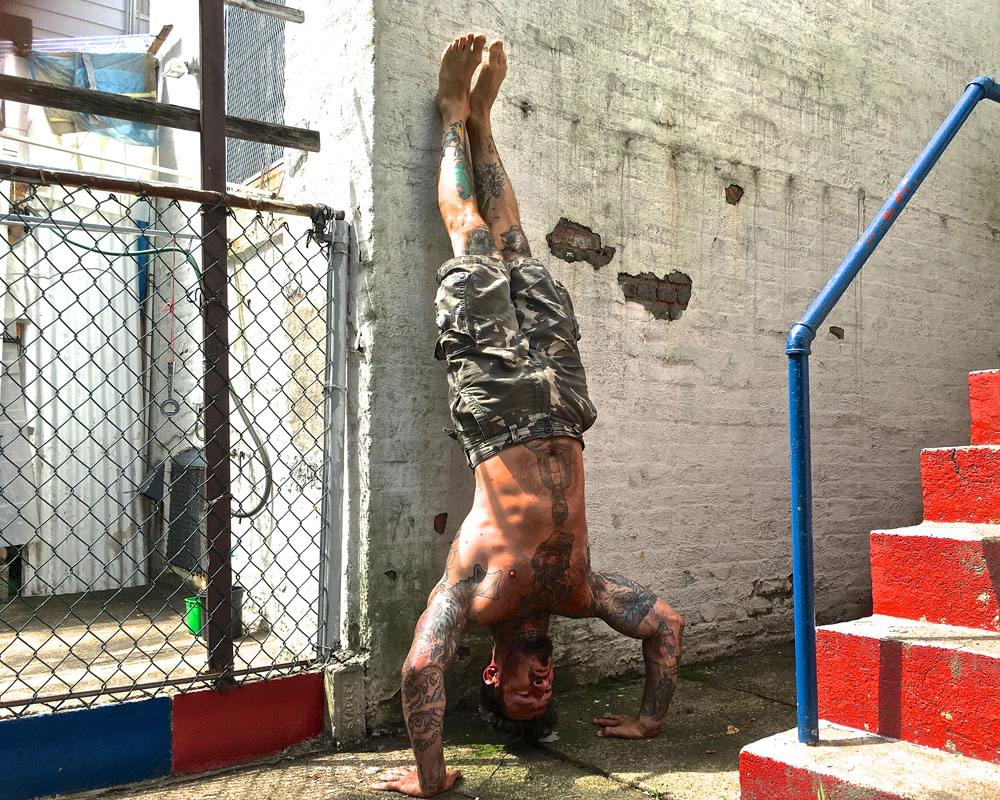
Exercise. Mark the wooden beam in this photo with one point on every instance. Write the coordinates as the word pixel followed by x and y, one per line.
pixel 106 104
pixel 161 37
pixel 271 9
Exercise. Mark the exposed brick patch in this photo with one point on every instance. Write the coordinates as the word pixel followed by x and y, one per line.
pixel 572 241
pixel 733 194
pixel 440 521
pixel 664 298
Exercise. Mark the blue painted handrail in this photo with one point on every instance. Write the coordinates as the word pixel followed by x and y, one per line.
pixel 797 348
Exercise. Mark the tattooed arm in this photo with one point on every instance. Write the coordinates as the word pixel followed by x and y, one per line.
pixel 434 643
pixel 635 611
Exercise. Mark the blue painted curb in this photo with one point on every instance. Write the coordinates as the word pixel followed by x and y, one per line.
pixel 72 751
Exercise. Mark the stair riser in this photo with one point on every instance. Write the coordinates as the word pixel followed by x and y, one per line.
pixel 946 581
pixel 984 405
pixel 936 697
pixel 961 485
pixel 766 779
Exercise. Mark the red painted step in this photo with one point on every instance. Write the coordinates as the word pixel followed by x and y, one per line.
pixel 961 484
pixel 853 765
pixel 933 685
pixel 984 405
pixel 947 573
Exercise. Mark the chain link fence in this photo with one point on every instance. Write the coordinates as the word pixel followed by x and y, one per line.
pixel 104 527
pixel 255 86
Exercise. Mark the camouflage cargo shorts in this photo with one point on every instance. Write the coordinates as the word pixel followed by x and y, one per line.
pixel 508 334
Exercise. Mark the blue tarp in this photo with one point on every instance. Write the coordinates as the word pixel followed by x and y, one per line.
pixel 118 73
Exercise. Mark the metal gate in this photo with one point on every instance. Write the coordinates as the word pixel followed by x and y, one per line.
pixel 113 582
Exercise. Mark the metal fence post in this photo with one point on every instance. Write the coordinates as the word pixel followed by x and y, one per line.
pixel 218 492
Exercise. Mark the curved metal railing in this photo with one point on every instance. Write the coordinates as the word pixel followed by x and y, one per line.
pixel 797 348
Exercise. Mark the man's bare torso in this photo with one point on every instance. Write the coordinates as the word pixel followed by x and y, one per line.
pixel 522 549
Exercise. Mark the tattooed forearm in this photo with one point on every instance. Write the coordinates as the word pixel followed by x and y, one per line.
pixel 515 243
pixel 555 468
pixel 455 138
pixel 660 652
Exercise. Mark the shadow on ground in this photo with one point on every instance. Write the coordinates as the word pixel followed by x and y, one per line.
pixel 719 708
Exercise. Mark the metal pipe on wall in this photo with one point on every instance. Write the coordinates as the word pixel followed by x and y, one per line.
pixel 335 390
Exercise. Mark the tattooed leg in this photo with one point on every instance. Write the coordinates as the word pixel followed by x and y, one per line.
pixel 494 192
pixel 469 234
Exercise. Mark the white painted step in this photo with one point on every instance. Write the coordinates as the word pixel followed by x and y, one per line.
pixel 850 763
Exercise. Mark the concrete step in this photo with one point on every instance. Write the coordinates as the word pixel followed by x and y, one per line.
pixel 947 573
pixel 961 484
pixel 932 685
pixel 984 406
pixel 849 764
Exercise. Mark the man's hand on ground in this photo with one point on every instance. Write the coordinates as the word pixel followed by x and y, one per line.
pixel 623 726
pixel 401 779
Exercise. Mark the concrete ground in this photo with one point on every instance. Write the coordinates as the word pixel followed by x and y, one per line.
pixel 719 708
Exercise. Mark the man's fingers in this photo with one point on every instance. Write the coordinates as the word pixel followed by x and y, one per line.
pixel 614 719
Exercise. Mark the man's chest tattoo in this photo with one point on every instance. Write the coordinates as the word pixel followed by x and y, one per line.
pixel 550 566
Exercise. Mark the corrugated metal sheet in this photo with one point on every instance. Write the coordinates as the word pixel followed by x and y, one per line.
pixel 83 390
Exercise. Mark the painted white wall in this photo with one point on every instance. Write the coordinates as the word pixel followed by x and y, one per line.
pixel 632 118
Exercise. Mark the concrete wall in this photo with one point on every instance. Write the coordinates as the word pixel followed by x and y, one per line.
pixel 633 118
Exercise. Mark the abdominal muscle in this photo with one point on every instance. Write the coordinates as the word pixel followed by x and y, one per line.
pixel 528 521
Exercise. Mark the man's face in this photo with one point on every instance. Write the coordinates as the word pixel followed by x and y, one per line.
pixel 525 680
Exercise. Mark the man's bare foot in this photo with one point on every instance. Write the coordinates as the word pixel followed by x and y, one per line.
pixel 458 62
pixel 488 83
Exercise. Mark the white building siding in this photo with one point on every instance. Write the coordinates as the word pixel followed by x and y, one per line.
pixel 73 18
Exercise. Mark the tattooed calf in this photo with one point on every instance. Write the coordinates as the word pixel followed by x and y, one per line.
pixel 489 184
pixel 455 137
pixel 515 243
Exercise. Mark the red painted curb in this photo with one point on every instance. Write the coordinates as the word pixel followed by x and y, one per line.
pixel 948 581
pixel 984 406
pixel 213 730
pixel 766 779
pixel 938 697
pixel 961 484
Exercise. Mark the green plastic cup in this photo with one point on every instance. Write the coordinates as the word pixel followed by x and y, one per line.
pixel 194 614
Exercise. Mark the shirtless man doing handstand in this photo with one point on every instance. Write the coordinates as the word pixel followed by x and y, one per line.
pixel 520 406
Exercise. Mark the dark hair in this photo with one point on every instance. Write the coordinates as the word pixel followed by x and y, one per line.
pixel 515 730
